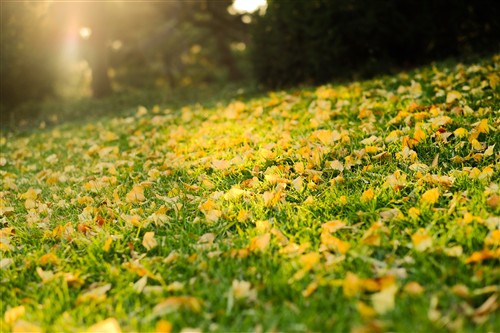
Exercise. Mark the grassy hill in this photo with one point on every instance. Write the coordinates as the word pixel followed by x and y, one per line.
pixel 369 206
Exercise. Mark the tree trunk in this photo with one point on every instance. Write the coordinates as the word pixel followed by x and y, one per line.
pixel 98 51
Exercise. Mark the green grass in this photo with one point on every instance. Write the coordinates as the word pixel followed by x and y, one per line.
pixel 350 207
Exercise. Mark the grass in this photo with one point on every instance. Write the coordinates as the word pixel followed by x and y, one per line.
pixel 367 206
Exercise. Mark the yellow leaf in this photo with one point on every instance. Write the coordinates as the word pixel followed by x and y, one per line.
pixel 419 135
pixel 430 196
pixel 109 325
pixel 461 132
pixel 332 226
pixel 334 243
pixel 22 326
pixel 308 260
pixel 413 288
pixel 368 195
pixel 365 310
pixel 310 289
pixel 326 137
pixel 107 244
pixel 452 96
pixel 175 303
pixel 482 127
pixel 135 195
pixel 351 285
pixel 234 193
pixel 384 300
pixel 298 184
pixel 13 314
pixel 421 240
pixel 163 326
pixel 149 241
pixel 260 243
pixel 494 80
pixel 242 289
pixel 262 226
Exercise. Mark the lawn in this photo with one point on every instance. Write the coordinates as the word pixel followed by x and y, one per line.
pixel 364 206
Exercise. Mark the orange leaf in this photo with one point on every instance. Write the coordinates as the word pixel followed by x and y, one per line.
pixel 430 196
pixel 109 325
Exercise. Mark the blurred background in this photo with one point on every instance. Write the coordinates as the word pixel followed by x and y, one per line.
pixel 62 60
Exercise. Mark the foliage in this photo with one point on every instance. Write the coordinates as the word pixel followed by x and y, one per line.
pixel 315 41
pixel 368 206
pixel 27 61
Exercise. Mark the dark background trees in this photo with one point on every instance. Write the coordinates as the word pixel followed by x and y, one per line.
pixel 319 40
pixel 61 50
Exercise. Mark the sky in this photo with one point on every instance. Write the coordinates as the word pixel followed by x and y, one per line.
pixel 248 6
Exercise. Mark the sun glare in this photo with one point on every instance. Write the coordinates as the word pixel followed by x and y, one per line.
pixel 85 32
pixel 248 6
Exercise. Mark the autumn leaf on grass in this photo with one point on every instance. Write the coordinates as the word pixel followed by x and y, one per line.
pixel 260 243
pixel 175 303
pixel 326 137
pixel 482 255
pixel 452 96
pixel 135 195
pixel 332 226
pixel 22 326
pixel 421 240
pixel 13 314
pixel 430 196
pixel 163 326
pixel 209 209
pixel 221 164
pixel 332 242
pixel 384 300
pixel 241 289
pixel 149 240
pixel 352 285
pixel 368 195
pixel 94 293
pixel 109 325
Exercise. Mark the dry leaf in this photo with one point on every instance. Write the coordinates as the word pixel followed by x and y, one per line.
pixel 260 243
pixel 148 241
pixel 13 314
pixel 135 195
pixel 368 195
pixel 163 326
pixel 109 325
pixel 175 303
pixel 384 300
pixel 22 326
pixel 421 240
pixel 430 196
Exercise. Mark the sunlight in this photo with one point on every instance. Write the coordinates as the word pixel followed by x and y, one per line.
pixel 85 32
pixel 248 6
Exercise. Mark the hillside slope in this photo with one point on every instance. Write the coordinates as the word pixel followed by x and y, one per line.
pixel 369 206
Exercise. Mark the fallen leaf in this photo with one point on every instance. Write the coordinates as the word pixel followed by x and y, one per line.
pixel 13 314
pixel 148 241
pixel 163 326
pixel 175 303
pixel 242 289
pixel 421 240
pixel 452 96
pixel 22 326
pixel 94 294
pixel 367 195
pixel 135 195
pixel 109 325
pixel 430 196
pixel 413 288
pixel 140 284
pixel 384 301
pixel 260 243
